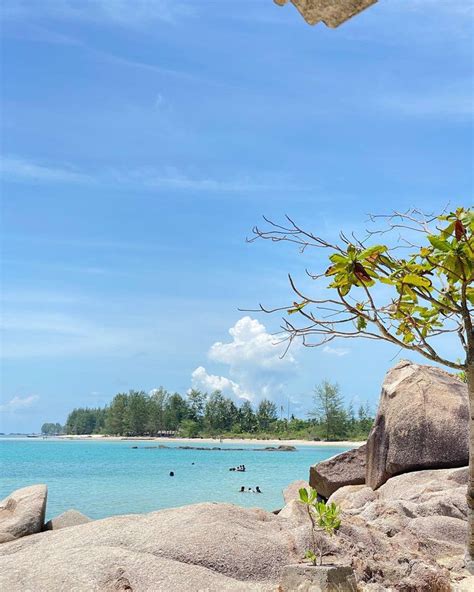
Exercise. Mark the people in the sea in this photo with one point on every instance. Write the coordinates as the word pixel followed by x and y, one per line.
pixel 242 489
pixel 240 469
pixel 258 490
pixel 171 474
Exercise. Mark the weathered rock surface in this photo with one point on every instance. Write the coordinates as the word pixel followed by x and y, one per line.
pixel 22 513
pixel 292 491
pixel 332 13
pixel 421 423
pixel 66 519
pixel 406 536
pixel 343 469
pixel 326 578
pixel 207 546
pixel 353 496
pixel 409 534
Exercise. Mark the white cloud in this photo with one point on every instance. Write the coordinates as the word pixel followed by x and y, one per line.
pixel 251 344
pixel 255 364
pixel 122 13
pixel 200 379
pixel 335 351
pixel 19 403
pixel 147 178
pixel 19 168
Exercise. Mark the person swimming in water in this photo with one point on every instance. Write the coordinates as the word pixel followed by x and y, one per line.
pixel 242 489
pixel 258 490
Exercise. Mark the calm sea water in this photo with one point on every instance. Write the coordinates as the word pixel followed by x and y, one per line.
pixel 105 478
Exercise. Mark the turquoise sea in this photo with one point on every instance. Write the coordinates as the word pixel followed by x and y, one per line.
pixel 103 478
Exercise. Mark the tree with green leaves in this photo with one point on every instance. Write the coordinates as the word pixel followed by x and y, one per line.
pixel 115 422
pixel 157 407
pixel 196 405
pixel 52 429
pixel 176 411
pixel 247 419
pixel 136 414
pixel 220 412
pixel 329 410
pixel 408 281
pixel 267 413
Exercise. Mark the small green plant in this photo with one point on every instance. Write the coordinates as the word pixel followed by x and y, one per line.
pixel 324 519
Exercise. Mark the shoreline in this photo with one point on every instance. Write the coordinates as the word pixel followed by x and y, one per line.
pixel 216 441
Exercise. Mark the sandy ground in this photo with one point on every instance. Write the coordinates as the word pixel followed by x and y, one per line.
pixel 217 441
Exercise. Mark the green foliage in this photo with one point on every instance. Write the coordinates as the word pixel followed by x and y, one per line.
pixel 430 283
pixel 86 421
pixel 52 429
pixel 196 406
pixel 324 517
pixel 189 428
pixel 139 414
pixel 266 414
pixel 411 290
pixel 329 409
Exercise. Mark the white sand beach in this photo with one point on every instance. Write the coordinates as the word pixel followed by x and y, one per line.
pixel 215 441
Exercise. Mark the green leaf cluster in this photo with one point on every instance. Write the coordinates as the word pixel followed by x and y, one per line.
pixel 324 517
pixel 429 284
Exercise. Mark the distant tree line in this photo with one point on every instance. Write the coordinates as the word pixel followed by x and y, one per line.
pixel 52 429
pixel 201 414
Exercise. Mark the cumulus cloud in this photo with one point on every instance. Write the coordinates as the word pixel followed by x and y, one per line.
pixel 251 344
pixel 255 364
pixel 18 404
pixel 210 382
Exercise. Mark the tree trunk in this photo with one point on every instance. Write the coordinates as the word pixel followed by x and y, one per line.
pixel 470 486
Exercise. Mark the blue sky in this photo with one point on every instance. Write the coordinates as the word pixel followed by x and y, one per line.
pixel 142 141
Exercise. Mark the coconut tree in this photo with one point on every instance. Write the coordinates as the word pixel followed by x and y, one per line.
pixel 408 281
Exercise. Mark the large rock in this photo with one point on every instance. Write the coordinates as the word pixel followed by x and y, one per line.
pixel 421 423
pixel 353 497
pixel 404 536
pixel 23 512
pixel 66 519
pixel 428 506
pixel 338 471
pixel 212 547
pixel 293 490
